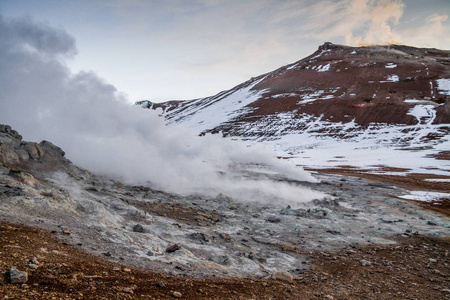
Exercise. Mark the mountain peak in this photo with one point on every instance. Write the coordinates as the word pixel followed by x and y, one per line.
pixel 392 95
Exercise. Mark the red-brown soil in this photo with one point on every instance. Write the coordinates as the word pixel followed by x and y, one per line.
pixel 413 181
pixel 416 268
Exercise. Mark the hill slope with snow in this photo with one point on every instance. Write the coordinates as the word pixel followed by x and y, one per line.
pixel 364 107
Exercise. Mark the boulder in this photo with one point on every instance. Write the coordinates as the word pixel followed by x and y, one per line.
pixel 23 155
pixel 17 276
pixel 10 156
pixel 34 150
pixel 16 135
pixel 138 228
pixel 283 275
pixel 173 248
pixel 48 147
pixel 5 128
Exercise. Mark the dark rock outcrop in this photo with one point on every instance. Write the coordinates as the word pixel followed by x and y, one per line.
pixel 27 156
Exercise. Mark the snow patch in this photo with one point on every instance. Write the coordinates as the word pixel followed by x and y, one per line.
pixel 390 66
pixel 211 112
pixel 319 55
pixel 285 95
pixel 437 180
pixel 317 95
pixel 314 145
pixel 391 78
pixel 292 67
pixel 425 114
pixel 321 68
pixel 444 85
pixel 425 196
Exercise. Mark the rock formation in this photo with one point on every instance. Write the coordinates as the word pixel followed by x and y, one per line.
pixel 18 154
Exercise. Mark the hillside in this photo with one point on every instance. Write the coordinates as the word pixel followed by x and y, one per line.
pixel 366 85
pixel 371 108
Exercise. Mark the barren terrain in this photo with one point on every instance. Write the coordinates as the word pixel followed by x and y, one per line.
pixel 407 261
pixel 416 268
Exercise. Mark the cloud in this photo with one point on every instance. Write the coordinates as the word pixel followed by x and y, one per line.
pixel 431 34
pixel 380 18
pixel 369 22
pixel 100 131
pixel 358 22
pixel 39 38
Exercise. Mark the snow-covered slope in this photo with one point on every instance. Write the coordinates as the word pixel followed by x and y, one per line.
pixel 380 105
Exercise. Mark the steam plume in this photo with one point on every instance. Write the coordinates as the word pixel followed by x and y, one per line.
pixel 99 130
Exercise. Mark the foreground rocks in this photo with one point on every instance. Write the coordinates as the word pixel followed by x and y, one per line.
pixel 18 154
pixel 16 276
pixel 415 268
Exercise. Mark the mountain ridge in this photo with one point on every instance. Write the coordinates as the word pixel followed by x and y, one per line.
pixel 367 98
pixel 315 79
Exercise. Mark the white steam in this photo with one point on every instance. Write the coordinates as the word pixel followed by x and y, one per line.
pixel 100 131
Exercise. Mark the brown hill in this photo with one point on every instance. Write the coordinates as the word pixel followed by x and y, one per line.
pixel 338 84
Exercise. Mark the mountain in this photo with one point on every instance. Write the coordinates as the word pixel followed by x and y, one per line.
pixel 395 97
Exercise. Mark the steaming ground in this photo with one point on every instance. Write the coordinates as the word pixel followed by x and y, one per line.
pixel 100 131
pixel 211 236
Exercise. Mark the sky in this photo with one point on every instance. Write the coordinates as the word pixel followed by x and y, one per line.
pixel 162 50
pixel 100 130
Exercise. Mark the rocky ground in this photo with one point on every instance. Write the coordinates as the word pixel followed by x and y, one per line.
pixel 415 268
pixel 88 237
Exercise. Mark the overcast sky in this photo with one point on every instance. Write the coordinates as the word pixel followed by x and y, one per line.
pixel 185 49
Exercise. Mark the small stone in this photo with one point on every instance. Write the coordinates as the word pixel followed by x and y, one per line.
pixel 173 248
pixel 225 236
pixel 365 263
pixel 66 231
pixel 200 237
pixel 128 270
pixel 177 294
pixel 161 284
pixel 138 228
pixel 285 276
pixel 34 261
pixel 128 290
pixel 286 211
pixel 432 260
pixel 290 248
pixel 329 297
pixel 17 276
pixel 273 220
pixel 33 266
